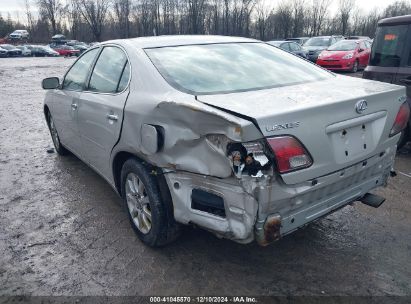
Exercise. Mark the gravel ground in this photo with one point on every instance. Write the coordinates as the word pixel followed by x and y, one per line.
pixel 63 230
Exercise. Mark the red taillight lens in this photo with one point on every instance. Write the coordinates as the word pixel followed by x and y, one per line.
pixel 401 120
pixel 289 153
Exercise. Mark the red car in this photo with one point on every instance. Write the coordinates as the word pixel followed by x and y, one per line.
pixel 66 50
pixel 346 55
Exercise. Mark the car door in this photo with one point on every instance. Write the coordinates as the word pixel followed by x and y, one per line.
pixel 66 101
pixel 102 104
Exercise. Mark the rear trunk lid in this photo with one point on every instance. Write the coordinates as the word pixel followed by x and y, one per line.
pixel 325 116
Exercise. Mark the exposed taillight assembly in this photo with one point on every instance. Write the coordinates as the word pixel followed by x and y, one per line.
pixel 401 119
pixel 289 153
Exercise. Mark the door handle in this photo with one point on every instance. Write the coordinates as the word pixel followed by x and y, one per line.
pixel 74 106
pixel 112 117
pixel 406 81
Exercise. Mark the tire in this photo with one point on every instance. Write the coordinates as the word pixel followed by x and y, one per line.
pixel 403 139
pixel 354 68
pixel 60 149
pixel 149 208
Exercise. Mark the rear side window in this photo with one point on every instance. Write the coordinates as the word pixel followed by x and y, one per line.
pixel 124 78
pixel 285 46
pixel 388 46
pixel 295 47
pixel 75 79
pixel 108 70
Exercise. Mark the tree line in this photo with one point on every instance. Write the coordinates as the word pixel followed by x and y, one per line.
pixel 98 20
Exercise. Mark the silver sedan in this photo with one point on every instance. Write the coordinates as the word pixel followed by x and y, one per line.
pixel 229 134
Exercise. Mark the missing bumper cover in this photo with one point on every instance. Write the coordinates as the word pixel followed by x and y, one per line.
pixel 207 202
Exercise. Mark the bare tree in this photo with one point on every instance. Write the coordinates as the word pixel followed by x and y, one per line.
pixel 122 12
pixel 94 13
pixel 319 10
pixel 29 15
pixel 345 8
pixel 53 11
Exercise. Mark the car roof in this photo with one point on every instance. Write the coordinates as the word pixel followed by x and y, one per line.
pixel 406 19
pixel 178 40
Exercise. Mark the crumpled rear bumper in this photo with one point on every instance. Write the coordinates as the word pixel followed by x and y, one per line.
pixel 265 208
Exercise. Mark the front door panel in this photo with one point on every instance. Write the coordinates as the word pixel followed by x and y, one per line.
pixel 65 115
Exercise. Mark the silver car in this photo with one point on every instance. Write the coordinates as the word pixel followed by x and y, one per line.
pixel 229 134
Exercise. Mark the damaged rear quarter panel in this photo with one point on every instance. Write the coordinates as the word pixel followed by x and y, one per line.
pixel 185 123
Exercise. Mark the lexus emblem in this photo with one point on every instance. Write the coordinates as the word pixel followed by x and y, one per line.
pixel 361 106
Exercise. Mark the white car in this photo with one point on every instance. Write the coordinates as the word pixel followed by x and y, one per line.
pixel 229 134
pixel 19 34
pixel 25 51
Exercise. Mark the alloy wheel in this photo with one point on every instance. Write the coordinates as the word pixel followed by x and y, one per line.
pixel 138 203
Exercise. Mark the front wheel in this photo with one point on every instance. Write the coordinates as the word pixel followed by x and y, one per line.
pixel 354 68
pixel 55 136
pixel 149 212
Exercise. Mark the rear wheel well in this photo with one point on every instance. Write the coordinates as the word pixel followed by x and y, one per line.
pixel 118 163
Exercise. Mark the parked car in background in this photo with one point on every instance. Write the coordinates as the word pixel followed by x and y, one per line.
pixel 12 51
pixel 19 34
pixel 37 51
pixel 81 46
pixel 299 40
pixel 345 55
pixel 59 38
pixel 358 38
pixel 289 46
pixel 315 45
pixel 65 50
pixel 25 51
pixel 390 59
pixel 230 134
pixel 50 52
pixel 3 52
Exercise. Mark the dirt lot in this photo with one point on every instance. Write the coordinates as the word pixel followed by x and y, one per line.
pixel 63 231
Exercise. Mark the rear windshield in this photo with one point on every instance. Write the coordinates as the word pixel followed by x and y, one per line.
pixel 318 41
pixel 343 45
pixel 388 45
pixel 231 67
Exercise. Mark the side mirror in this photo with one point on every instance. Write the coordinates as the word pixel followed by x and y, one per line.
pixel 50 83
pixel 360 50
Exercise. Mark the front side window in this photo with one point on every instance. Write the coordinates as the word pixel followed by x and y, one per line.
pixel 108 70
pixel 388 45
pixel 76 77
pixel 231 67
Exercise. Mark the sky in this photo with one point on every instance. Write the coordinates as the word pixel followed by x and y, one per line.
pixel 16 7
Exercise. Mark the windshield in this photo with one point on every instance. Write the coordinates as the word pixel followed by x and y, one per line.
pixel 343 45
pixel 231 67
pixel 275 43
pixel 318 41
pixel 388 45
